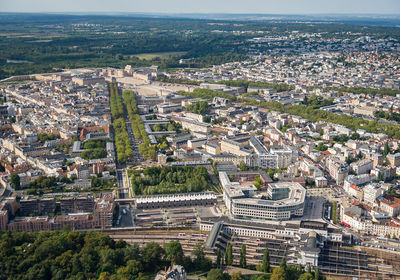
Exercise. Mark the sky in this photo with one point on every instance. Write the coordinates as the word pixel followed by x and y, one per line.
pixel 206 6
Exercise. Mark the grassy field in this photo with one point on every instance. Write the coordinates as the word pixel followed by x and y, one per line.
pixel 150 56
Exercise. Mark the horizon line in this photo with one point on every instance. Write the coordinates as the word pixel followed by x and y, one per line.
pixel 196 13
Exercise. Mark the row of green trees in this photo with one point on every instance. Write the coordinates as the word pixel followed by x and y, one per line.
pixel 334 212
pixel 309 112
pixel 363 90
pixel 170 179
pixel 123 145
pixel 234 83
pixel 206 94
pixel 117 108
pixel 264 266
pixel 280 87
pixel 243 83
pixel 315 115
pixel 146 149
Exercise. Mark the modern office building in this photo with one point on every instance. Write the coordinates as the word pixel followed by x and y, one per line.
pixel 281 201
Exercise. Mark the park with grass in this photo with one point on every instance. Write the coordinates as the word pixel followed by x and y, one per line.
pixel 170 179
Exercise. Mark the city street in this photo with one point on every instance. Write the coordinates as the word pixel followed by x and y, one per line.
pixel 123 189
pixel 126 217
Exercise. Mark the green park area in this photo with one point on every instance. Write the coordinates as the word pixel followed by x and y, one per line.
pixel 169 179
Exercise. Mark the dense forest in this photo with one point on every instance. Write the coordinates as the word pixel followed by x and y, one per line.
pixel 169 179
pixel 92 255
pixel 48 43
pixel 44 44
pixel 87 255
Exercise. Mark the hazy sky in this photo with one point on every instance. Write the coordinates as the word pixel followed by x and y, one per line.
pixel 205 6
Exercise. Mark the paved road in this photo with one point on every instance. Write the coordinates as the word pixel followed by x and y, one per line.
pixel 136 155
pixel 123 189
pixel 126 217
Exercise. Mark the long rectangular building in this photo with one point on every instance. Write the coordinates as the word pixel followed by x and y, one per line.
pixel 175 200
